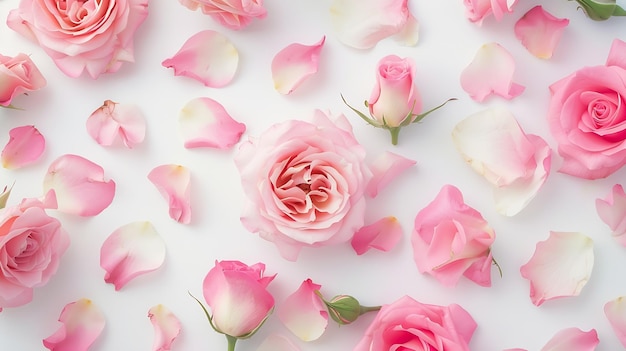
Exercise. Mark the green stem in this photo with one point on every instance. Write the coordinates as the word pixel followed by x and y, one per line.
pixel 231 342
pixel 394 135
pixel 366 309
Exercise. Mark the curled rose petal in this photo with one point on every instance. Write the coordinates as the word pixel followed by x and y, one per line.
pixel 25 146
pixel 361 24
pixel 304 313
pixel 277 342
pixel 560 266
pixel 78 186
pixel 573 339
pixel 114 121
pixel 615 312
pixel 477 10
pixel 540 31
pixel 208 57
pixel 83 323
pixel 166 327
pixel 385 169
pixel 18 75
pixel 294 64
pixel 204 122
pixel 384 235
pixel 173 182
pixel 612 211
pixel 490 72
pixel 515 163
pixel 131 250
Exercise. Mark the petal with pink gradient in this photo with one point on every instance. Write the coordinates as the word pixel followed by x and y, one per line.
pixel 615 312
pixel 166 327
pixel 82 323
pixel 561 266
pixel 25 146
pixel 113 121
pixel 294 64
pixel 131 250
pixel 383 235
pixel 174 184
pixel 277 342
pixel 612 211
pixel 573 339
pixel 491 72
pixel 208 57
pixel 361 24
pixel 204 122
pixel 304 312
pixel 78 186
pixel 385 168
pixel 540 32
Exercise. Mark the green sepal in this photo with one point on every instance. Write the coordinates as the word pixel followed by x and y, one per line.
pixel 421 116
pixel 370 121
pixel 13 107
pixel 4 196
pixel 600 11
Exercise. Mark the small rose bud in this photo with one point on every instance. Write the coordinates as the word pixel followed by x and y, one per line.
pixel 344 309
pixel 601 10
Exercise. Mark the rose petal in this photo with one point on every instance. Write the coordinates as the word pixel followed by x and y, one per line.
pixel 131 250
pixel 617 54
pixel 612 211
pixel 573 339
pixel 615 312
pixel 560 266
pixel 490 72
pixel 294 64
pixel 25 146
pixel 277 342
pixel 114 121
pixel 83 323
pixel 540 31
pixel 208 57
pixel 385 169
pixel 78 186
pixel 205 123
pixel 304 313
pixel 477 10
pixel 384 235
pixel 173 182
pixel 166 327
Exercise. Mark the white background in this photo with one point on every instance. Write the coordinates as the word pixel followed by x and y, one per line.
pixel 505 316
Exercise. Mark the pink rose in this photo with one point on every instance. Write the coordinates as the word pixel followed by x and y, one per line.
pixel 18 75
pixel 31 245
pixel 233 14
pixel 238 297
pixel 477 10
pixel 410 325
pixel 305 183
pixel 92 35
pixel 587 117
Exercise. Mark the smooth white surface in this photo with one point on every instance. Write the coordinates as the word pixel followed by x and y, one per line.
pixel 506 318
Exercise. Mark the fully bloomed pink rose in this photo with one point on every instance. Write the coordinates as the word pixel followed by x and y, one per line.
pixel 31 246
pixel 91 35
pixel 233 14
pixel 305 183
pixel 587 117
pixel 409 325
pixel 18 75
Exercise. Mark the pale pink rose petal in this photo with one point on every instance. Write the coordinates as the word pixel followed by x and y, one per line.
pixel 208 57
pixel 174 184
pixel 131 250
pixel 615 312
pixel 385 168
pixel 113 121
pixel 204 122
pixel 277 342
pixel 540 32
pixel 573 339
pixel 294 64
pixel 477 10
pixel 384 235
pixel 560 266
pixel 166 327
pixel 25 146
pixel 361 24
pixel 612 211
pixel 83 323
pixel 515 163
pixel 78 186
pixel 490 72
pixel 304 313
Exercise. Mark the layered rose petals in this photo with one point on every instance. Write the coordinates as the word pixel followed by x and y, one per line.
pixel 204 122
pixel 277 342
pixel 25 146
pixel 612 211
pixel 174 184
pixel 361 24
pixel 208 57
pixel 113 121
pixel 78 186
pixel 560 266
pixel 515 163
pixel 166 327
pixel 615 312
pixel 131 250
pixel 385 168
pixel 477 10
pixel 294 64
pixel 539 31
pixel 304 312
pixel 491 72
pixel 383 235
pixel 82 323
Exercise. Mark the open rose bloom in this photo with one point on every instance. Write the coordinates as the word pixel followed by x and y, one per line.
pixel 233 14
pixel 18 75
